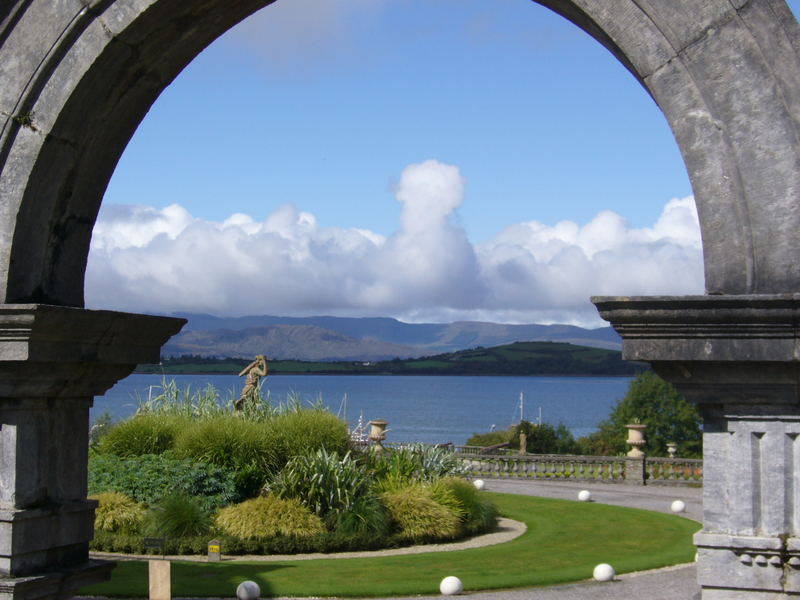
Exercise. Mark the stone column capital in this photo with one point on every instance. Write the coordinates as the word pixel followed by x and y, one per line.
pixel 731 350
pixel 751 328
pixel 56 351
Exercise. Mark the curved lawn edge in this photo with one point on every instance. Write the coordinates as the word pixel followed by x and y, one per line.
pixel 564 541
pixel 507 530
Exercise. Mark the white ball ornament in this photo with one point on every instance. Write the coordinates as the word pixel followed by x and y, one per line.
pixel 248 590
pixel 603 572
pixel 479 484
pixel 584 495
pixel 678 506
pixel 451 586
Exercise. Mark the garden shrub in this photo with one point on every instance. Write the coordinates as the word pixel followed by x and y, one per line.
pixel 304 431
pixel 324 542
pixel 269 516
pixel 149 478
pixel 231 442
pixel 418 516
pixel 324 482
pixel 367 516
pixel 444 495
pixel 141 434
pixel 415 462
pixel 117 513
pixel 176 516
pixel 478 513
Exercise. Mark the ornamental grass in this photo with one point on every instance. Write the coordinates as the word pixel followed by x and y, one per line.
pixel 116 513
pixel 418 516
pixel 269 516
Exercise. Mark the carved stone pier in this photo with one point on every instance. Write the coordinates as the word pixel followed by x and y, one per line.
pixel 53 360
pixel 738 357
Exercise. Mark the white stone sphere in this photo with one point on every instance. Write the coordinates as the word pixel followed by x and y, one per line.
pixel 450 586
pixel 248 590
pixel 678 506
pixel 603 572
pixel 584 495
pixel 479 484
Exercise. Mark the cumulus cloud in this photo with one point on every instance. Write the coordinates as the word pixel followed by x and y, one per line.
pixel 166 260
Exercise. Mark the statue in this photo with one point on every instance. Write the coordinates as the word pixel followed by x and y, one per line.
pixel 254 371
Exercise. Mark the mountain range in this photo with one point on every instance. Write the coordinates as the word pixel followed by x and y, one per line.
pixel 369 339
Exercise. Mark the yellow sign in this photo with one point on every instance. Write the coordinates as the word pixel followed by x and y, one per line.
pixel 213 548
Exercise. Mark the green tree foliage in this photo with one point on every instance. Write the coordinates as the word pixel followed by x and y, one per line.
pixel 541 439
pixel 544 438
pixel 657 404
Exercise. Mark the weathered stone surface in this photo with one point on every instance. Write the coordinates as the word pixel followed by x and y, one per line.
pixel 738 358
pixel 52 361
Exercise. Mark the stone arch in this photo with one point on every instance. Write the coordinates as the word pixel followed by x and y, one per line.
pixel 79 75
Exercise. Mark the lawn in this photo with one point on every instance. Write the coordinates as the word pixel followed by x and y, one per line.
pixel 564 541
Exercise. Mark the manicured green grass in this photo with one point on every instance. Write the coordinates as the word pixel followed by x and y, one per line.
pixel 564 541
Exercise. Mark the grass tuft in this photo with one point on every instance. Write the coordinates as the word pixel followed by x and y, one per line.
pixel 268 516
pixel 117 513
pixel 418 516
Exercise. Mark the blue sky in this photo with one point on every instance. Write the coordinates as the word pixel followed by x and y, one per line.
pixel 309 115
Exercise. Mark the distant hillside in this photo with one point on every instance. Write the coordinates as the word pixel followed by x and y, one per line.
pixel 407 339
pixel 305 342
pixel 519 358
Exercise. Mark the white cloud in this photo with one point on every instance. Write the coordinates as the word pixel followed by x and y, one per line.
pixel 146 259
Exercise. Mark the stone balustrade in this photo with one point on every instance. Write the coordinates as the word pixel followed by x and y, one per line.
pixel 676 471
pixel 610 469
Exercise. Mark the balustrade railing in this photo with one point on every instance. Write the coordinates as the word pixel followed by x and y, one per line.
pixel 500 462
pixel 610 469
pixel 674 470
pixel 546 466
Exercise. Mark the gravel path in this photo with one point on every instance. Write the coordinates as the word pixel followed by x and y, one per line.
pixel 672 583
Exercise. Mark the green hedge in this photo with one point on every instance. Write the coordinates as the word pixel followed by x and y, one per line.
pixel 149 478
pixel 326 543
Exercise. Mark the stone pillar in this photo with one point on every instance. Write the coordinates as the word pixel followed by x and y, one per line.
pixel 738 357
pixel 635 473
pixel 53 360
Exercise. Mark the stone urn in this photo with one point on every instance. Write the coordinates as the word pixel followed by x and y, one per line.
pixel 377 433
pixel 636 439
pixel 672 449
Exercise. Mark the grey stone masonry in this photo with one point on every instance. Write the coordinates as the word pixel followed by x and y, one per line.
pixel 738 357
pixel 53 360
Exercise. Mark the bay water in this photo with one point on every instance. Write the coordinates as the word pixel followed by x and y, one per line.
pixel 430 408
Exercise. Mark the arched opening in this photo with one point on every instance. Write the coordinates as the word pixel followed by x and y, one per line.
pixel 492 104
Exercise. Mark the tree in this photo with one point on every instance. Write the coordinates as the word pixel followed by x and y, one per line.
pixel 657 404
pixel 540 439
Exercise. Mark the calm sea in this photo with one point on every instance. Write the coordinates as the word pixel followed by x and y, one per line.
pixel 433 409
